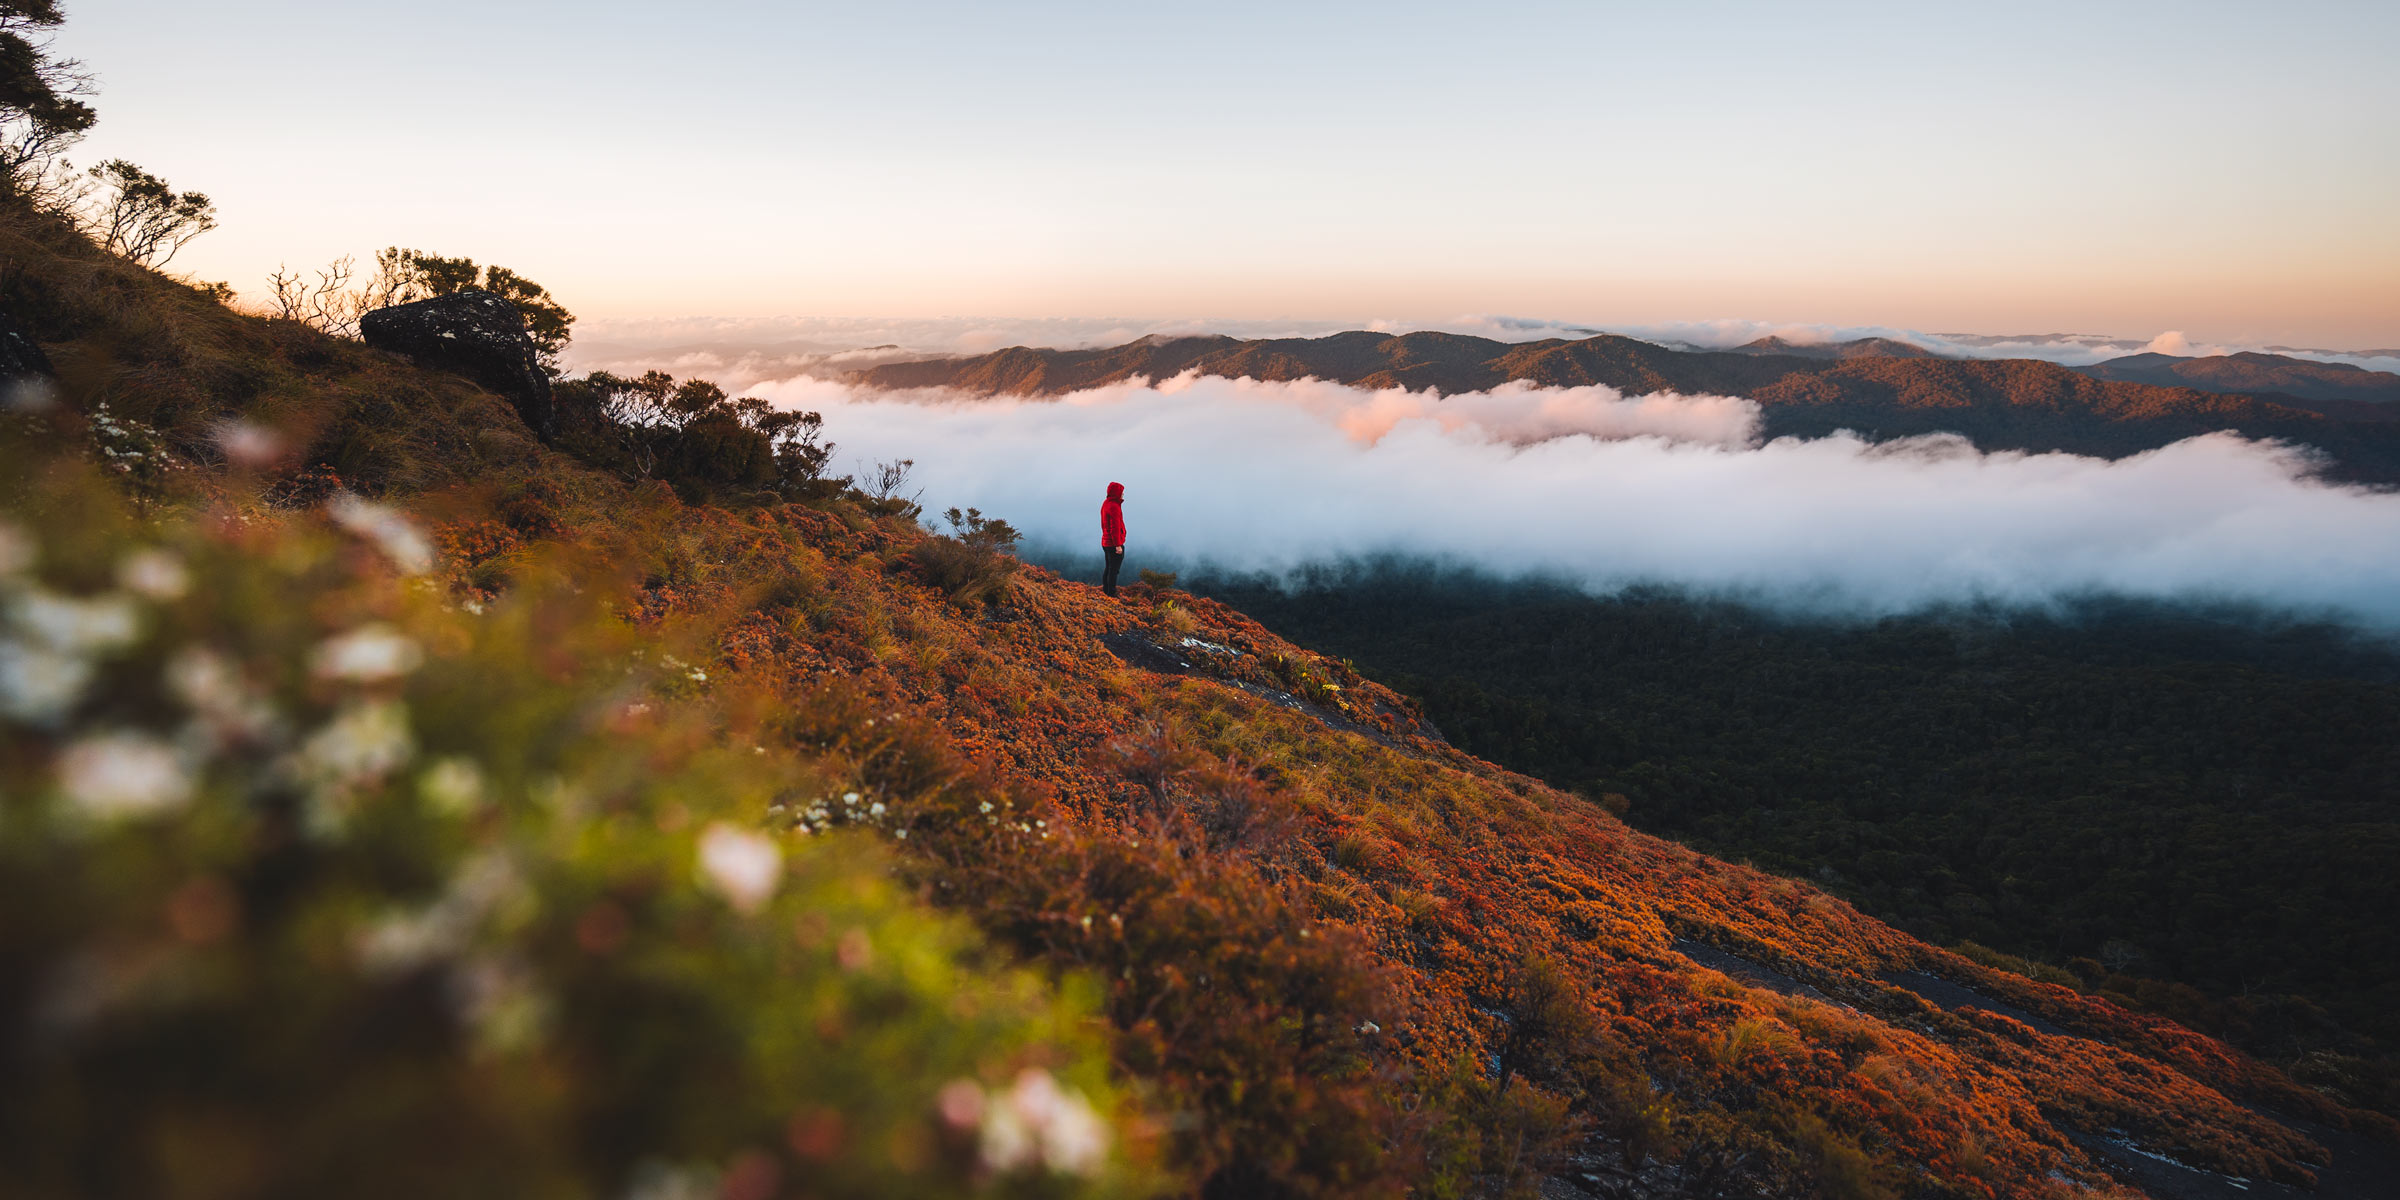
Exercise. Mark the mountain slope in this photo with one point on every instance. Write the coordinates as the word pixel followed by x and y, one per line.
pixel 2009 404
pixel 2338 389
pixel 1868 347
pixel 1338 956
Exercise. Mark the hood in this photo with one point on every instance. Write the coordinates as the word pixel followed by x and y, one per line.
pixel 1116 491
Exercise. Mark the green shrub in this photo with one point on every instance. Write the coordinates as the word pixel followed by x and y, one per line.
pixel 973 565
pixel 311 884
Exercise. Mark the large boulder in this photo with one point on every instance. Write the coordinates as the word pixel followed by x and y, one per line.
pixel 476 334
pixel 20 356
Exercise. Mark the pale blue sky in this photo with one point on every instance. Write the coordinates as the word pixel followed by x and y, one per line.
pixel 2227 169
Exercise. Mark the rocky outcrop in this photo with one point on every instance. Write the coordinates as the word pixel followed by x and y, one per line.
pixel 474 333
pixel 20 356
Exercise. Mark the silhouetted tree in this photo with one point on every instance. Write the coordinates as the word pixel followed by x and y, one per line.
pixel 42 101
pixel 137 215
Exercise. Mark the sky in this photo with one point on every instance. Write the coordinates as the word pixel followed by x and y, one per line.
pixel 2219 169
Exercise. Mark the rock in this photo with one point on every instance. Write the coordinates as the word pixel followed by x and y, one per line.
pixel 476 334
pixel 25 372
pixel 20 356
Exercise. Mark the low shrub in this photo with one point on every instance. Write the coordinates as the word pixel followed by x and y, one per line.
pixel 974 564
pixel 311 884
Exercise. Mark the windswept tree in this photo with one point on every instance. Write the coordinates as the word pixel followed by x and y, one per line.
pixel 694 437
pixel 42 102
pixel 135 214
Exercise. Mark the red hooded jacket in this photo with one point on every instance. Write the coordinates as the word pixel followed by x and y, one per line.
pixel 1112 518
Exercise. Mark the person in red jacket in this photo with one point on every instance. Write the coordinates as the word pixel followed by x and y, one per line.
pixel 1112 536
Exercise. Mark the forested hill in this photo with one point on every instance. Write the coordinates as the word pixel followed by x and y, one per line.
pixel 2338 388
pixel 2169 798
pixel 2007 404
pixel 399 804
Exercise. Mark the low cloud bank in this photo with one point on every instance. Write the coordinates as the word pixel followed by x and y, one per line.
pixel 743 352
pixel 1608 491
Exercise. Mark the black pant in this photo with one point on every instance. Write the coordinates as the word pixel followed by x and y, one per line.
pixel 1116 562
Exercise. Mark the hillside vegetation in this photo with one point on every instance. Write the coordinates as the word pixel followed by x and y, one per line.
pixel 414 808
pixel 2166 798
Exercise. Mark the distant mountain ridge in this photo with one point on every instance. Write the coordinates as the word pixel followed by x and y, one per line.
pixel 1866 347
pixel 2255 373
pixel 2002 404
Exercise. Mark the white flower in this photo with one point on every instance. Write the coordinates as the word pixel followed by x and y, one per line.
pixel 499 1000
pixel 654 1180
pixel 849 797
pixel 961 1104
pixel 363 742
pixel 72 626
pixel 368 654
pixel 30 394
pixel 154 573
pixel 742 866
pixel 212 686
pixel 38 684
pixel 393 533
pixel 1040 1123
pixel 248 445
pixel 452 787
pixel 115 775
pixel 875 809
pixel 406 939
pixel 17 550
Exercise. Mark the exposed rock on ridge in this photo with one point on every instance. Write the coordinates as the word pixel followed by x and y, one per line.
pixel 474 333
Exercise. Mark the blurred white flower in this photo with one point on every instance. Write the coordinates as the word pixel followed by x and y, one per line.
pixel 363 743
pixel 452 787
pixel 1040 1123
pixel 155 573
pixel 498 998
pixel 742 866
pixel 248 445
pixel 654 1180
pixel 115 775
pixel 38 684
pixel 211 686
pixel 28 394
pixel 961 1104
pixel 390 530
pixel 72 626
pixel 405 939
pixel 367 654
pixel 17 550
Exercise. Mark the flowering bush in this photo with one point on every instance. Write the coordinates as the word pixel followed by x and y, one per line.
pixel 312 884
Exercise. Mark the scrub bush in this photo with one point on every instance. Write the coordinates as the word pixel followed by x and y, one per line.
pixel 314 883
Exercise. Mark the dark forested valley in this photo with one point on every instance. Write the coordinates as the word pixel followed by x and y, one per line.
pixel 2193 810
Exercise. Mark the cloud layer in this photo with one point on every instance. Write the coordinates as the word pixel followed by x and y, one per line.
pixel 1609 491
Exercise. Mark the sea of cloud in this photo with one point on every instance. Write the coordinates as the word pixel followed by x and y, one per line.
pixel 742 352
pixel 1609 491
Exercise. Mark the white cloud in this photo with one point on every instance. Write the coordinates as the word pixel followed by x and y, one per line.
pixel 1609 491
